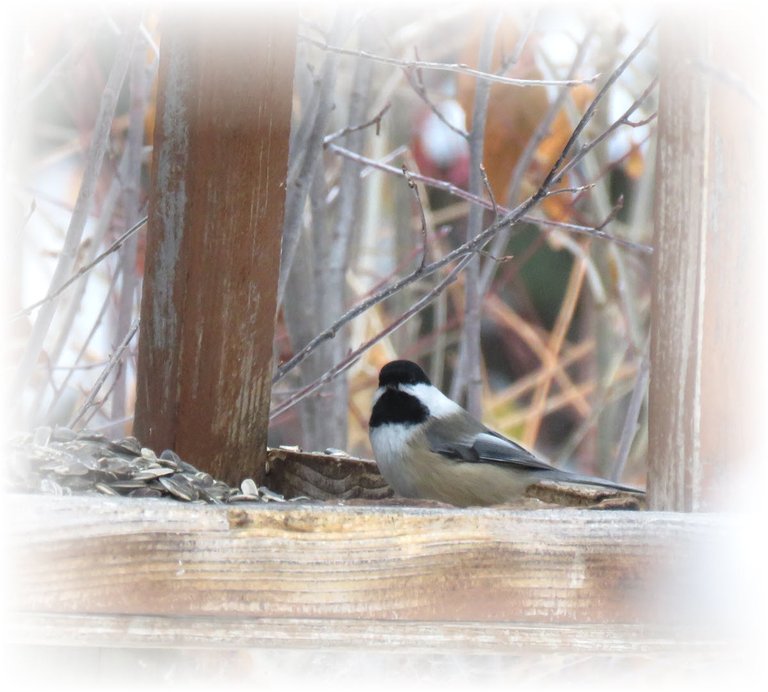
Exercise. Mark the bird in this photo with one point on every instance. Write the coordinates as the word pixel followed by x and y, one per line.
pixel 428 447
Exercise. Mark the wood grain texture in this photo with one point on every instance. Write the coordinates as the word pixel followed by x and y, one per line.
pixel 56 629
pixel 113 556
pixel 213 243
pixel 708 393
pixel 324 477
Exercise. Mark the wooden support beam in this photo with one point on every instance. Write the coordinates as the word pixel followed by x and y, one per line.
pixel 213 245
pixel 708 389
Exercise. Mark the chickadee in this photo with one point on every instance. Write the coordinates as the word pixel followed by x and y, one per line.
pixel 427 446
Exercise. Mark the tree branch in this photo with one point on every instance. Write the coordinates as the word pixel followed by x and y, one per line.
pixel 446 67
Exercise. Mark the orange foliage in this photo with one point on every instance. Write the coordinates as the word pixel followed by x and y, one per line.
pixel 514 113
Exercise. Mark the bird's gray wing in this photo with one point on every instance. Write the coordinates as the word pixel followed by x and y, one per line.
pixel 479 444
pixel 473 442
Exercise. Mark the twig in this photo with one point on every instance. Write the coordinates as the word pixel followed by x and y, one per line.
pixel 446 67
pixel 489 190
pixel 83 270
pixel 107 302
pixel 573 190
pixel 417 194
pixel 467 373
pixel 417 84
pixel 95 158
pixel 113 362
pixel 517 51
pixel 592 232
pixel 643 122
pixel 629 428
pixel 612 214
pixel 375 120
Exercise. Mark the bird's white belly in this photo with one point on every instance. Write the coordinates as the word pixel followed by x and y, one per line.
pixel 390 446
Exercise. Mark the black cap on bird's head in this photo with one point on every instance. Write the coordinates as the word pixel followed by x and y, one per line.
pixel 402 372
pixel 393 405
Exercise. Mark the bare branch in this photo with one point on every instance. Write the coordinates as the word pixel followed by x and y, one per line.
pixel 447 67
pixel 573 190
pixel 467 377
pixel 417 194
pixel 375 120
pixel 641 123
pixel 630 421
pixel 489 190
pixel 414 78
pixel 106 303
pixel 83 270
pixel 114 361
pixel 613 213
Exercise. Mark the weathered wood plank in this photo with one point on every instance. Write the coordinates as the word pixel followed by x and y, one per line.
pixel 56 629
pixel 213 242
pixel 708 393
pixel 159 558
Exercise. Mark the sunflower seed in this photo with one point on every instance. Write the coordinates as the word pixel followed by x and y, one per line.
pixel 244 498
pixel 115 465
pixel 249 487
pixel 128 445
pixel 152 473
pixel 186 468
pixel 179 487
pixel 104 488
pixel 89 436
pixel 146 492
pixel 127 485
pixel 148 454
pixel 268 494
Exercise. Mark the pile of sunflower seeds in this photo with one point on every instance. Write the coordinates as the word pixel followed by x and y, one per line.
pixel 60 461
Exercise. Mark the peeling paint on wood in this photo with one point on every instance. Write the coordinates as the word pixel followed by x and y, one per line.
pixel 213 247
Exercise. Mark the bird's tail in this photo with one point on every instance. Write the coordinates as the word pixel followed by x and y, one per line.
pixel 594 480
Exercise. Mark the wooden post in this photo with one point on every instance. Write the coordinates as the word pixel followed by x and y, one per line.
pixel 213 247
pixel 707 393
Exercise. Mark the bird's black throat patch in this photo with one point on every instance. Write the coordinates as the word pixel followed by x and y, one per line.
pixel 395 406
